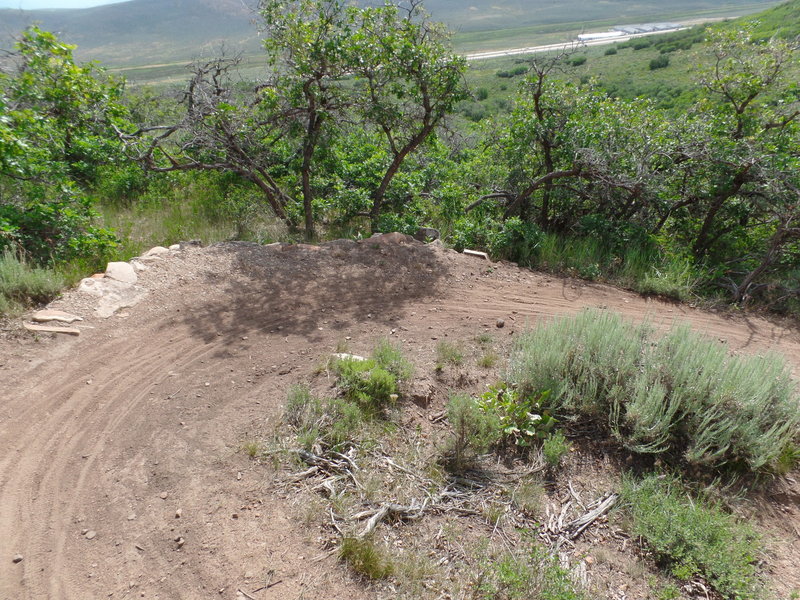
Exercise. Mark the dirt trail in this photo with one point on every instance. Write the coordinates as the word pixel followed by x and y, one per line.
pixel 133 431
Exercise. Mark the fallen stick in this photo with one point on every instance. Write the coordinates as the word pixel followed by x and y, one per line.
pixel 577 526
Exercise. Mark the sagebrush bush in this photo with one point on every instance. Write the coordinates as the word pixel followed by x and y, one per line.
pixel 679 393
pixel 390 357
pixel 474 429
pixel 692 536
pixel 364 382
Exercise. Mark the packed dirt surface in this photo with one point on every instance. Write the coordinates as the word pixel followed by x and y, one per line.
pixel 122 473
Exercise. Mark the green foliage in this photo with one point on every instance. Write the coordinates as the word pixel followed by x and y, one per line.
pixel 693 537
pixel 366 558
pixel 554 448
pixel 610 51
pixel 527 573
pixel 678 394
pixel 365 383
pixel 488 359
pixel 659 62
pixel 522 418
pixel 474 430
pixel 22 284
pixel 389 356
pixel 324 423
pixel 56 130
pixel 448 353
pixel 577 61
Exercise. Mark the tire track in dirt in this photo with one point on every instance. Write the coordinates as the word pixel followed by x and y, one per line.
pixel 35 502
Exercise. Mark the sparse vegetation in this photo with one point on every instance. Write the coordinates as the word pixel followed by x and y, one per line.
pixel 22 284
pixel 366 558
pixel 448 353
pixel 554 448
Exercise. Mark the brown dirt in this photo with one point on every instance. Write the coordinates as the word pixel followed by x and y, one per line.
pixel 145 413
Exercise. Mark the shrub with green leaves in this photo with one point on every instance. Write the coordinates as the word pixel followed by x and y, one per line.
pixel 390 357
pixel 365 383
pixel 521 418
pixel 323 423
pixel 554 448
pixel 679 394
pixel 692 536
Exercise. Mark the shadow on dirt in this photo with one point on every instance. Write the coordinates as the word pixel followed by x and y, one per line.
pixel 296 290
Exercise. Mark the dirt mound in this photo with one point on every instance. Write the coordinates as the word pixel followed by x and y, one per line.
pixel 121 465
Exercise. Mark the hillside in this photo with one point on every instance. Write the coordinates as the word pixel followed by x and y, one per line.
pixel 124 469
pixel 144 32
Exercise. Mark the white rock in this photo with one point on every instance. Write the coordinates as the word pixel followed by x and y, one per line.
pixel 121 271
pixel 157 251
pixel 43 316
pixel 175 247
pixel 138 265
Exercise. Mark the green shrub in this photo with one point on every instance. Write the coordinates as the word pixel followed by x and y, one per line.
pixel 692 536
pixel 521 418
pixel 554 448
pixel 372 387
pixel 679 393
pixel 610 51
pixel 578 61
pixel 481 94
pixel 329 423
pixel 365 558
pixel 488 359
pixel 22 285
pixel 659 62
pixel 474 430
pixel 390 357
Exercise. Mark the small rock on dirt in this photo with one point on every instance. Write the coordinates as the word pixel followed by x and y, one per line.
pixel 175 247
pixel 500 323
pixel 178 513
pixel 121 271
pixel 163 495
pixel 51 329
pixel 344 356
pixel 91 534
pixel 17 558
pixel 156 251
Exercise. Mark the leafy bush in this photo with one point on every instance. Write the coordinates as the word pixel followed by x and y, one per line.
pixel 520 575
pixel 610 51
pixel 578 61
pixel 520 417
pixel 692 536
pixel 659 62
pixel 362 381
pixel 679 394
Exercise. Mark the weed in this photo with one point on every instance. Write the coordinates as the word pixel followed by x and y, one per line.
pixel 448 353
pixel 365 558
pixel 253 449
pixel 484 339
pixel 680 394
pixel 390 357
pixel 554 448
pixel 365 383
pixel 523 574
pixel 693 536
pixel 488 359
pixel 521 418
pixel 529 497
pixel 473 429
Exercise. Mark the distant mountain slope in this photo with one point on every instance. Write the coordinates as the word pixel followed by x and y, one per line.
pixel 142 32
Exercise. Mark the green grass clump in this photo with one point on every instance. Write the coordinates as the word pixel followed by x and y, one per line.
pixel 448 353
pixel 679 394
pixel 527 573
pixel 693 537
pixel 474 430
pixel 554 448
pixel 390 357
pixel 370 386
pixel 323 423
pixel 22 285
pixel 365 558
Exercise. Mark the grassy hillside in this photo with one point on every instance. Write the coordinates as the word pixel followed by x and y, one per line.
pixel 158 32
